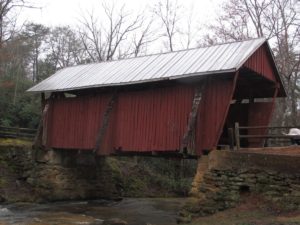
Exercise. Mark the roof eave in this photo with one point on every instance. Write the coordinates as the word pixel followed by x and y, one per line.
pixel 135 82
pixel 282 91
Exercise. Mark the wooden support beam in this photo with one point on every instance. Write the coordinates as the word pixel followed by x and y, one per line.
pixel 231 138
pixel 45 124
pixel 105 122
pixel 189 136
pixel 38 140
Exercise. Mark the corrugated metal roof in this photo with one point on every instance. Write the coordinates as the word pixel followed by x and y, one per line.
pixel 173 65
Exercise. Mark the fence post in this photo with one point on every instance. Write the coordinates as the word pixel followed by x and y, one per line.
pixel 231 138
pixel 18 132
pixel 237 135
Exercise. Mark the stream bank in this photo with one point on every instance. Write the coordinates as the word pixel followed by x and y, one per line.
pixel 133 211
pixel 270 173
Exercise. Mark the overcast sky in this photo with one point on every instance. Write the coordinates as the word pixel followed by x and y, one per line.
pixel 67 12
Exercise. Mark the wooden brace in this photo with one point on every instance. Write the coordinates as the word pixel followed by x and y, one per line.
pixel 188 135
pixel 105 121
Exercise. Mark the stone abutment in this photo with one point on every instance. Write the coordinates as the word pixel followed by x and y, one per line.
pixel 223 177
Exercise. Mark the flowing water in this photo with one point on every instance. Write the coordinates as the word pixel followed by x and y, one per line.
pixel 135 211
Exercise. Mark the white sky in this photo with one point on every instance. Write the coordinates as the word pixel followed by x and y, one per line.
pixel 67 12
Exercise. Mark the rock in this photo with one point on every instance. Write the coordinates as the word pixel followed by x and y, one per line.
pixel 5 212
pixel 114 221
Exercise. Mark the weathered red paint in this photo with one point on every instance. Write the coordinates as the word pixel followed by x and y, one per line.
pixel 145 120
pixel 212 113
pixel 259 115
pixel 74 121
pixel 261 63
pixel 153 119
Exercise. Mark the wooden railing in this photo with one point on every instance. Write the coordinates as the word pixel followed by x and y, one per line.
pixel 17 132
pixel 236 135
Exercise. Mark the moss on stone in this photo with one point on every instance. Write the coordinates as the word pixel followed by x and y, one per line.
pixel 15 142
pixel 2 182
pixel 135 187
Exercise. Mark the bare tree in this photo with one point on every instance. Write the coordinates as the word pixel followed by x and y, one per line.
pixel 243 19
pixel 189 32
pixel 7 23
pixel 141 40
pixel 9 10
pixel 35 34
pixel 189 29
pixel 286 28
pixel 169 13
pixel 277 20
pixel 8 17
pixel 103 40
pixel 65 48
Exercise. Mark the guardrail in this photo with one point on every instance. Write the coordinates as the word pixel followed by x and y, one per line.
pixel 17 132
pixel 236 136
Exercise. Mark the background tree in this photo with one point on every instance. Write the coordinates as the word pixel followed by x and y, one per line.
pixel 14 102
pixel 8 25
pixel 169 14
pixel 36 35
pixel 144 36
pixel 65 48
pixel 107 39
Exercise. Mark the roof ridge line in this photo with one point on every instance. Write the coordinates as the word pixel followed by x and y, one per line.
pixel 169 52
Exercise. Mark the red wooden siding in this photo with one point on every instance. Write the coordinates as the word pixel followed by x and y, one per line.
pixel 75 121
pixel 259 115
pixel 261 63
pixel 148 120
pixel 212 113
pixel 145 120
pixel 154 119
pixel 251 114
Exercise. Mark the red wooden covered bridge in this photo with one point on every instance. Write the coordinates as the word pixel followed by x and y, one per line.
pixel 177 102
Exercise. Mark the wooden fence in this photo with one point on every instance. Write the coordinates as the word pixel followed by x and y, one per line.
pixel 17 132
pixel 236 136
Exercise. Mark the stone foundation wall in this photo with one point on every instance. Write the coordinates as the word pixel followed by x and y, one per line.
pixel 199 176
pixel 34 176
pixel 229 175
pixel 28 175
pixel 67 175
pixel 14 166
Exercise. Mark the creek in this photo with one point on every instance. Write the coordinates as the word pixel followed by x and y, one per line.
pixel 135 211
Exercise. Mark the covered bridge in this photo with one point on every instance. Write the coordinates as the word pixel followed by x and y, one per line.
pixel 176 102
